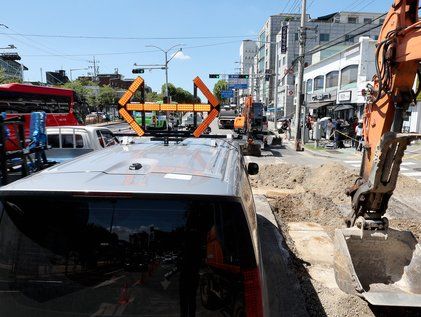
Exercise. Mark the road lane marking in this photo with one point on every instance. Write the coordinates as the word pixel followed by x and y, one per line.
pixel 109 282
pixel 407 163
pixel 352 162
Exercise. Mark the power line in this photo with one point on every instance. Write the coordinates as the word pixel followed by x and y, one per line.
pixel 134 52
pixel 37 45
pixel 320 48
pixel 124 37
pixel 328 44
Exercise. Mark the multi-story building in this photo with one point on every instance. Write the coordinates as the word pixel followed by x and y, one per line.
pixel 264 83
pixel 10 67
pixel 334 85
pixel 248 50
pixel 339 25
pixel 56 78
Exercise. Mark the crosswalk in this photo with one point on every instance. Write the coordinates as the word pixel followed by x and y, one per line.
pixel 407 168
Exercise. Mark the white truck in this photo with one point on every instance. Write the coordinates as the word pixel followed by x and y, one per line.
pixel 67 142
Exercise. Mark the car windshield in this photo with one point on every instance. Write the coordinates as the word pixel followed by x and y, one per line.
pixel 80 256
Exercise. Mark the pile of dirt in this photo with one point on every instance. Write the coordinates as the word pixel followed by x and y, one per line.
pixel 314 194
pixel 304 194
pixel 301 193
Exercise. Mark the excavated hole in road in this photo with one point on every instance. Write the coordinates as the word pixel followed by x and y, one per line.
pixel 316 194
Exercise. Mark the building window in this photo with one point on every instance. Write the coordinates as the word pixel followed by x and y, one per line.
pixel 349 76
pixel 368 20
pixel 349 38
pixel 296 36
pixel 381 21
pixel 332 79
pixel 309 86
pixel 324 37
pixel 352 20
pixel 318 83
pixel 375 37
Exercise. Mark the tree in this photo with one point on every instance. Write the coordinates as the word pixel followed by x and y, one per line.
pixel 5 79
pixel 179 94
pixel 219 86
pixel 153 96
pixel 107 97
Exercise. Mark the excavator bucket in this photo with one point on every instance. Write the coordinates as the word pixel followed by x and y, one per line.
pixel 384 267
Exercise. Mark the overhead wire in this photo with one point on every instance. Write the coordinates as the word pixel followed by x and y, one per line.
pixel 100 37
pixel 134 52
pixel 36 45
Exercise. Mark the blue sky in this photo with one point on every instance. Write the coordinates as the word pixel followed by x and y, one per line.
pixel 182 18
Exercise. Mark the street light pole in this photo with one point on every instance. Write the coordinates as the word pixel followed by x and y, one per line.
pixel 166 77
pixel 73 69
pixel 167 93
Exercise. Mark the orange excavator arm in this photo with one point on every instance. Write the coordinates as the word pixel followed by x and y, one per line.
pixel 398 56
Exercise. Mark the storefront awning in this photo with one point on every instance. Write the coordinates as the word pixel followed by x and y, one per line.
pixel 317 105
pixel 343 107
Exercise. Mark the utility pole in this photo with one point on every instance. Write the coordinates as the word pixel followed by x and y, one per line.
pixel 301 60
pixel 95 68
pixel 275 98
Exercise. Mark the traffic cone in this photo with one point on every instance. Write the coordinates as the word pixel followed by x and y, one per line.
pixel 124 295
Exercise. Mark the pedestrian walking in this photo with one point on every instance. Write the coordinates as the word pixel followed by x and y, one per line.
pixel 359 135
pixel 329 128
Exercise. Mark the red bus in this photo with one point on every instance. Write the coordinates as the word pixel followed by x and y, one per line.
pixel 21 100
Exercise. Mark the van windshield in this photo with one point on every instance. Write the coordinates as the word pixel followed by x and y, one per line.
pixel 119 256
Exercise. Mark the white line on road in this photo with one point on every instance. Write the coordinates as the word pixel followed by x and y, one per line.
pixel 355 165
pixel 416 174
pixel 352 162
pixel 404 169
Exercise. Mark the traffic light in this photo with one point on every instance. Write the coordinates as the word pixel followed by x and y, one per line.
pixel 213 75
pixel 138 71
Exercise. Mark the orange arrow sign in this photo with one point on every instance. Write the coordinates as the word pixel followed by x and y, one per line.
pixel 126 106
pixel 138 82
pixel 212 100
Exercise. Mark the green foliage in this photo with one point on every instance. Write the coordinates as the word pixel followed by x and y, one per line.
pixel 153 96
pixel 79 88
pixel 219 86
pixel 4 79
pixel 107 96
pixel 179 94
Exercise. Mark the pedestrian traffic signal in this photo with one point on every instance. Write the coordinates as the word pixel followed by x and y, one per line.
pixel 213 75
pixel 138 71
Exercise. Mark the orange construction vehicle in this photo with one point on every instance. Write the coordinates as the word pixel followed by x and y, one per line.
pixel 383 265
pixel 251 119
pixel 252 123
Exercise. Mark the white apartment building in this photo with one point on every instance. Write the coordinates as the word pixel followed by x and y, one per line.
pixel 334 85
pixel 265 69
pixel 248 51
pixel 320 30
